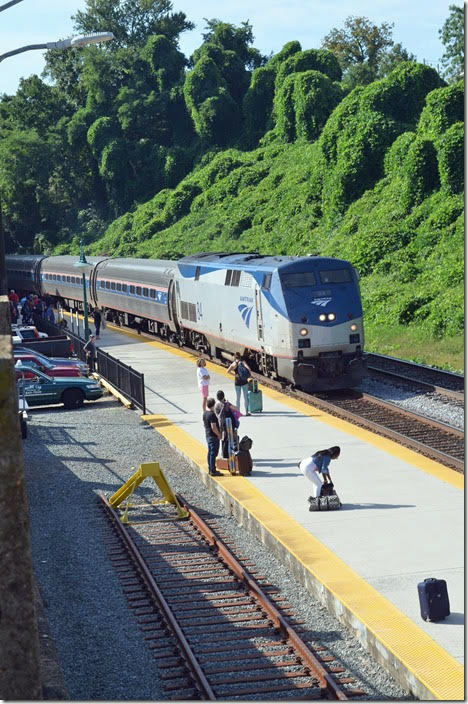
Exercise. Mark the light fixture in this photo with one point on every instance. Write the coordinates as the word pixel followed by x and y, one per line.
pixel 353 327
pixel 331 316
pixel 322 317
pixel 303 332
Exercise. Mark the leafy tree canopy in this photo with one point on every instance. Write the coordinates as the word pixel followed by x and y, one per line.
pixel 452 36
pixel 230 38
pixel 364 50
pixel 131 21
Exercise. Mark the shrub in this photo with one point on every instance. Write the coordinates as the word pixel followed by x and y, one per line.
pixel 401 94
pixel 258 103
pixel 303 105
pixel 451 158
pixel 443 108
pixel 421 175
pixel 103 131
pixel 395 156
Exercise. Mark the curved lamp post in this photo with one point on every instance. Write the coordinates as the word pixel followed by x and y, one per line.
pixel 84 265
pixel 72 43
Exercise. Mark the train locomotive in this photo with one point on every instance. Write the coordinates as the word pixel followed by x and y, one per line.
pixel 296 319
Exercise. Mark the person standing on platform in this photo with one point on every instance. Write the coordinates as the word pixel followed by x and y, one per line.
pixel 224 409
pixel 90 351
pixel 213 436
pixel 14 315
pixel 14 298
pixel 242 372
pixel 203 380
pixel 97 321
pixel 49 314
pixel 313 467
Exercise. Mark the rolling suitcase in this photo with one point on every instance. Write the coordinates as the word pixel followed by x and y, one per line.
pixel 433 599
pixel 254 397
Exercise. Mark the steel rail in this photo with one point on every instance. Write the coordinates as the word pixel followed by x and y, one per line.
pixel 327 683
pixel 323 682
pixel 201 680
pixel 392 434
pixel 441 390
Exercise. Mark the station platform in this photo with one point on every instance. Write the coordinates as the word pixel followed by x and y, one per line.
pixel 402 518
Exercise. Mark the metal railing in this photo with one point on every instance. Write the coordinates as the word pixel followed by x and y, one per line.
pixel 123 377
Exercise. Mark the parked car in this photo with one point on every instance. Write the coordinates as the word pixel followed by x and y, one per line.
pixel 42 389
pixel 48 367
pixel 60 361
pixel 26 332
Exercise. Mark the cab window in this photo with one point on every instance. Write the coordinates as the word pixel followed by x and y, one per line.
pixel 297 279
pixel 335 276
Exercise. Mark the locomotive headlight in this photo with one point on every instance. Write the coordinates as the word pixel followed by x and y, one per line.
pixel 303 332
pixel 322 317
pixel 331 316
pixel 353 327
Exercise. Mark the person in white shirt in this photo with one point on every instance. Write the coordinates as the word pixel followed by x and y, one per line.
pixel 203 380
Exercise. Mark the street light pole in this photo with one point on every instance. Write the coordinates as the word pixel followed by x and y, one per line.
pixel 82 263
pixel 63 44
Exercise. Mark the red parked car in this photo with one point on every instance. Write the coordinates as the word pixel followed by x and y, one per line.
pixel 49 368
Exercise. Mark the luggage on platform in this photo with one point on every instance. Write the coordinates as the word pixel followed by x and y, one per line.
pixel 239 461
pixel 329 502
pixel 254 397
pixel 433 599
pixel 254 401
pixel 242 463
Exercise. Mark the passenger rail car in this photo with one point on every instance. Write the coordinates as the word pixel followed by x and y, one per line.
pixel 298 319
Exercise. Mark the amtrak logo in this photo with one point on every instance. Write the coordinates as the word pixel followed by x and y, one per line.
pixel 246 312
pixel 320 302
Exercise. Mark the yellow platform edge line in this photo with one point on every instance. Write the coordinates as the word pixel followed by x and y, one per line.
pixel 435 469
pixel 425 659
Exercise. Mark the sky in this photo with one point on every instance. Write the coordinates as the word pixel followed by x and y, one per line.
pixel 274 22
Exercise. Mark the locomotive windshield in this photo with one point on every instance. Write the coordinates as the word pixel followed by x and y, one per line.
pixel 335 276
pixel 309 278
pixel 301 278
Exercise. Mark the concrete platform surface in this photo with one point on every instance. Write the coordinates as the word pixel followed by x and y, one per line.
pixel 402 518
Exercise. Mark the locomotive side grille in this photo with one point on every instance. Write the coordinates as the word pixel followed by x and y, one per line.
pixel 188 311
pixel 245 279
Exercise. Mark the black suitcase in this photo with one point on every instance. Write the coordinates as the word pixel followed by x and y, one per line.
pixel 433 599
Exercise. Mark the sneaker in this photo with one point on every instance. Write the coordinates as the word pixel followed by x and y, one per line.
pixel 248 414
pixel 312 499
pixel 215 474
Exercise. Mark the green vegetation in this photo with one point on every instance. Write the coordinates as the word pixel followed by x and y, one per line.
pixel 326 151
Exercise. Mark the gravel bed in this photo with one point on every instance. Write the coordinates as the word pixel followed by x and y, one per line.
pixel 71 455
pixel 432 405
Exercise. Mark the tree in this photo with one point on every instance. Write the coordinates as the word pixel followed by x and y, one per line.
pixel 231 38
pixel 131 21
pixel 363 50
pixel 453 39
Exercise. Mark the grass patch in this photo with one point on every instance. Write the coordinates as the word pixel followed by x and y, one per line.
pixel 412 344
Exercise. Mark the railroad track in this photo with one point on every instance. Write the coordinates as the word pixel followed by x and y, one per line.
pixel 430 438
pixel 440 442
pixel 216 630
pixel 427 378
